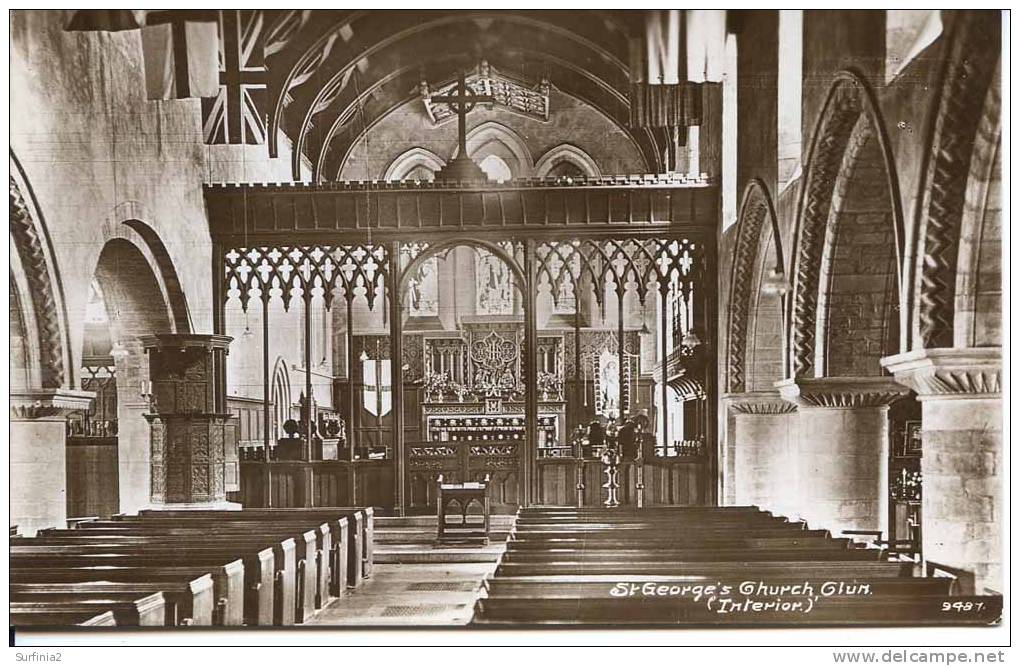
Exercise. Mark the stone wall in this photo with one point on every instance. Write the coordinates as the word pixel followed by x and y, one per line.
pixel 97 154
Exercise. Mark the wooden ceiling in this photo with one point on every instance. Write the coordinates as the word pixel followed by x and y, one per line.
pixel 332 74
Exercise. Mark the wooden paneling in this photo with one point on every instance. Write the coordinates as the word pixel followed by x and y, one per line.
pixel 92 477
pixel 680 483
pixel 296 484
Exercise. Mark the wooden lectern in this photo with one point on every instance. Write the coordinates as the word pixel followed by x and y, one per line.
pixel 455 526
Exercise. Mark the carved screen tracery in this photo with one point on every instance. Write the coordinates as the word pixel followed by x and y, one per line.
pixel 268 272
pixel 638 263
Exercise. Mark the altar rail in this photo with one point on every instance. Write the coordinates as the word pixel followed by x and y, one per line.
pixel 638 204
pixel 677 481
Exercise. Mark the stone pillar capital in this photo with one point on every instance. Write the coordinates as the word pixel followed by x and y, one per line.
pixel 949 372
pixel 841 392
pixel 54 403
pixel 758 402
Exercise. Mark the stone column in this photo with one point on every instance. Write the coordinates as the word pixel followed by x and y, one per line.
pixel 764 468
pixel 962 509
pixel 38 440
pixel 843 449
pixel 192 434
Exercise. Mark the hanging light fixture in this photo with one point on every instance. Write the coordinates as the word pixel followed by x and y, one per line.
pixel 364 356
pixel 645 331
pixel 247 329
pixel 118 350
pixel 691 339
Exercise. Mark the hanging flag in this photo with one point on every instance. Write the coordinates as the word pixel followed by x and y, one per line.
pixel 659 97
pixel 180 53
pixel 237 114
pixel 706 45
pixel 107 19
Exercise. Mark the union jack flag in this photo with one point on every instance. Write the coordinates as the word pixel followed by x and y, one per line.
pixel 237 114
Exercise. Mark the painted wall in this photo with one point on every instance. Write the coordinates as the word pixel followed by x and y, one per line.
pixel 571 121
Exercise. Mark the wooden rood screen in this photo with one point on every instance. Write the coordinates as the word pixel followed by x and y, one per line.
pixel 356 245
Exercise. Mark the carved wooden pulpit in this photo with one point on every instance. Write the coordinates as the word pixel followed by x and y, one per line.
pixel 456 526
pixel 193 448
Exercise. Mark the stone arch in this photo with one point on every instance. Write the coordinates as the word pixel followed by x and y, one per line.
pixel 969 73
pixel 850 174
pixel 754 316
pixel 978 297
pixel 567 153
pixel 409 161
pixel 37 307
pixel 135 294
pixel 492 138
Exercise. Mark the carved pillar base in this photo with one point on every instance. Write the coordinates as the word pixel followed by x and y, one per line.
pixel 38 459
pixel 764 465
pixel 961 463
pixel 193 448
pixel 842 449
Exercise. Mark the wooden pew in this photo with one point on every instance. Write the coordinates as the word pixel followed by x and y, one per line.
pixel 228 583
pixel 749 570
pixel 129 610
pixel 678 540
pixel 188 603
pixel 361 530
pixel 582 556
pixel 225 571
pixel 602 587
pixel 61 617
pixel 307 556
pixel 270 565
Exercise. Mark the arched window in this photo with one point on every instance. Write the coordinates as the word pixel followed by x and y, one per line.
pixel 491 141
pixel 414 164
pixel 566 160
pixel 496 169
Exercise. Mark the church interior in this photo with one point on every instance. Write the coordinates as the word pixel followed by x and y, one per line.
pixel 381 318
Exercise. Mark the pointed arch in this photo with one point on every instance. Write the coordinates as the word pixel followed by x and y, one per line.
pixel 493 138
pixel 850 159
pixel 406 162
pixel 968 74
pixel 567 153
pixel 757 232
pixel 281 395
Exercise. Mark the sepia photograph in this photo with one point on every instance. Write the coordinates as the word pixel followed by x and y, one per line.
pixel 507 319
